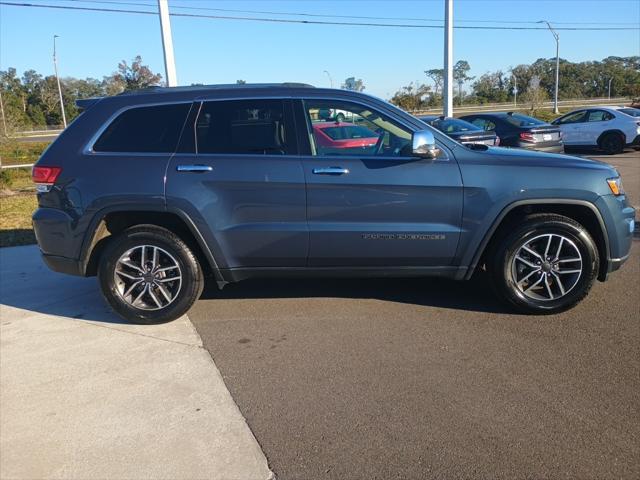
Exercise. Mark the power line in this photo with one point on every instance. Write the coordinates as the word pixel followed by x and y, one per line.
pixel 317 15
pixel 307 22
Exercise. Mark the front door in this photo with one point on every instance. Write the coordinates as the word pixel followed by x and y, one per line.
pixel 369 202
pixel 237 176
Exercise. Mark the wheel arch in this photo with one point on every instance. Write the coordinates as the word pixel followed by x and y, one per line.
pixel 612 130
pixel 585 213
pixel 111 221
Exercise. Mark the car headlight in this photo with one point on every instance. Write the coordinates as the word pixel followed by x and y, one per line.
pixel 615 185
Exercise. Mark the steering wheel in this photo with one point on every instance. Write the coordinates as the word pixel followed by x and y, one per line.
pixel 377 149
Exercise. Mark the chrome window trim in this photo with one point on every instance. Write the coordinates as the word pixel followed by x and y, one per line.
pixel 88 149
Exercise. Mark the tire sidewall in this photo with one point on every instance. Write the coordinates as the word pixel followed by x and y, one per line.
pixel 190 271
pixel 512 244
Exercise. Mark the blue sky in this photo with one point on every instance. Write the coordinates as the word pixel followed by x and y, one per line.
pixel 221 51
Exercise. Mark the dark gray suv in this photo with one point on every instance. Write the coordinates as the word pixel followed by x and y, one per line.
pixel 155 190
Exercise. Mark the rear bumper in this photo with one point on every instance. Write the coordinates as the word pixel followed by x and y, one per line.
pixel 556 148
pixel 635 142
pixel 63 264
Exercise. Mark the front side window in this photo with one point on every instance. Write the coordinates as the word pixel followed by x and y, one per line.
pixel 484 124
pixel 254 127
pixel 154 129
pixel 519 120
pixel 354 130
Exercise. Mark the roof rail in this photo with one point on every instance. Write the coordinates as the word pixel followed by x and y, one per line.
pixel 86 103
pixel 160 89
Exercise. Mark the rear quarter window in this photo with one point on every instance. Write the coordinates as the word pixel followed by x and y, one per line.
pixel 154 129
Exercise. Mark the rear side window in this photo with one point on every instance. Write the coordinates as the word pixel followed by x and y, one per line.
pixel 153 129
pixel 519 120
pixel 599 116
pixel 256 127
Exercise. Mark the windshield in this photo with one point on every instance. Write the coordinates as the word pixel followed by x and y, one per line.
pixel 522 120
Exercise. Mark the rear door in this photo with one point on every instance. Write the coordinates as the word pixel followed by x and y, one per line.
pixel 570 126
pixel 376 205
pixel 596 122
pixel 238 177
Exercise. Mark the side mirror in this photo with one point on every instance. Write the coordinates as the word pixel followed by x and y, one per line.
pixel 424 144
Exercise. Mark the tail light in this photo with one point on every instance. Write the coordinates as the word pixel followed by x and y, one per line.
pixel 496 141
pixel 527 137
pixel 45 177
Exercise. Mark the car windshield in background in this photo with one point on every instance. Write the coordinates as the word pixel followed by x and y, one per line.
pixel 452 125
pixel 348 132
pixel 522 120
pixel 634 112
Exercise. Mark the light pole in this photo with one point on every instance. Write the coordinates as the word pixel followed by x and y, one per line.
pixel 55 69
pixel 330 79
pixel 515 90
pixel 610 87
pixel 557 37
pixel 447 100
pixel 167 44
pixel 4 120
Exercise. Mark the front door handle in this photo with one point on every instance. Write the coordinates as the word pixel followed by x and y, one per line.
pixel 194 168
pixel 330 171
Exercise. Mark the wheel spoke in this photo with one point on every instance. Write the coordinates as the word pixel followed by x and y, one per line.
pixel 144 290
pixel 126 275
pixel 561 272
pixel 166 269
pixel 534 284
pixel 155 258
pixel 557 278
pixel 528 276
pixel 168 279
pixel 559 248
pixel 131 287
pixel 526 262
pixel 153 296
pixel 546 250
pixel 164 291
pixel 567 260
pixel 532 252
pixel 131 265
pixel 546 283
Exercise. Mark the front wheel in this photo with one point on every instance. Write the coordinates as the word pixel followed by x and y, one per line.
pixel 547 265
pixel 149 275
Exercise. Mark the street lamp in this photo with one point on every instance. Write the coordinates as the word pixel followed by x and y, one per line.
pixel 557 37
pixel 55 69
pixel 330 79
pixel 515 90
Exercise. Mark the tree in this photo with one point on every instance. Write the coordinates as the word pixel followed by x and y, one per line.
pixel 437 77
pixel 241 82
pixel 352 84
pixel 535 95
pixel 460 75
pixel 491 87
pixel 411 98
pixel 131 77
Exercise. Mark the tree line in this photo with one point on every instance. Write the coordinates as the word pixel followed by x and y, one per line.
pixel 534 83
pixel 32 100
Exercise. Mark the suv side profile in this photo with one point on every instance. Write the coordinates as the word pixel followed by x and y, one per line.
pixel 155 190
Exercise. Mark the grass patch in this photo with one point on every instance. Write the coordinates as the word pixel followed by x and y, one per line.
pixel 15 220
pixel 15 180
pixel 13 152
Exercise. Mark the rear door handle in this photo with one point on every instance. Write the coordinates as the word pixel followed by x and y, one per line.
pixel 331 171
pixel 194 168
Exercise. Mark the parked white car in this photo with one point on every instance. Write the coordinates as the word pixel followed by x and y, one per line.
pixel 608 128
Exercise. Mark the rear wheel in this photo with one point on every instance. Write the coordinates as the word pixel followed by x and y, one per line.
pixel 545 266
pixel 149 275
pixel 612 143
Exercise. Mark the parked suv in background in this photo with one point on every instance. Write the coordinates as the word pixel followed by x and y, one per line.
pixel 608 128
pixel 517 130
pixel 157 189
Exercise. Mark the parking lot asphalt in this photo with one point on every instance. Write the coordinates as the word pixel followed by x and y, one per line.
pixel 425 378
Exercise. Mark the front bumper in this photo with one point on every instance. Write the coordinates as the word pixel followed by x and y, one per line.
pixel 619 219
pixel 635 142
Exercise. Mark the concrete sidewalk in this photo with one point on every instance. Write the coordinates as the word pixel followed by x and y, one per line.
pixel 84 396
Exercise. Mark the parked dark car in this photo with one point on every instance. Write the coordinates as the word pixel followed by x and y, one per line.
pixel 157 189
pixel 464 132
pixel 517 130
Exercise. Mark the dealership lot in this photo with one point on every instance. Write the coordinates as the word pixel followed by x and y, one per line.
pixel 413 378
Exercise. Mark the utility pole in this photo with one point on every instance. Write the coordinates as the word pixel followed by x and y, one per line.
pixel 610 87
pixel 330 79
pixel 447 97
pixel 557 37
pixel 167 44
pixel 515 90
pixel 55 69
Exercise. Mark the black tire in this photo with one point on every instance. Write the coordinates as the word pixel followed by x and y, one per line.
pixel 502 265
pixel 612 143
pixel 187 290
